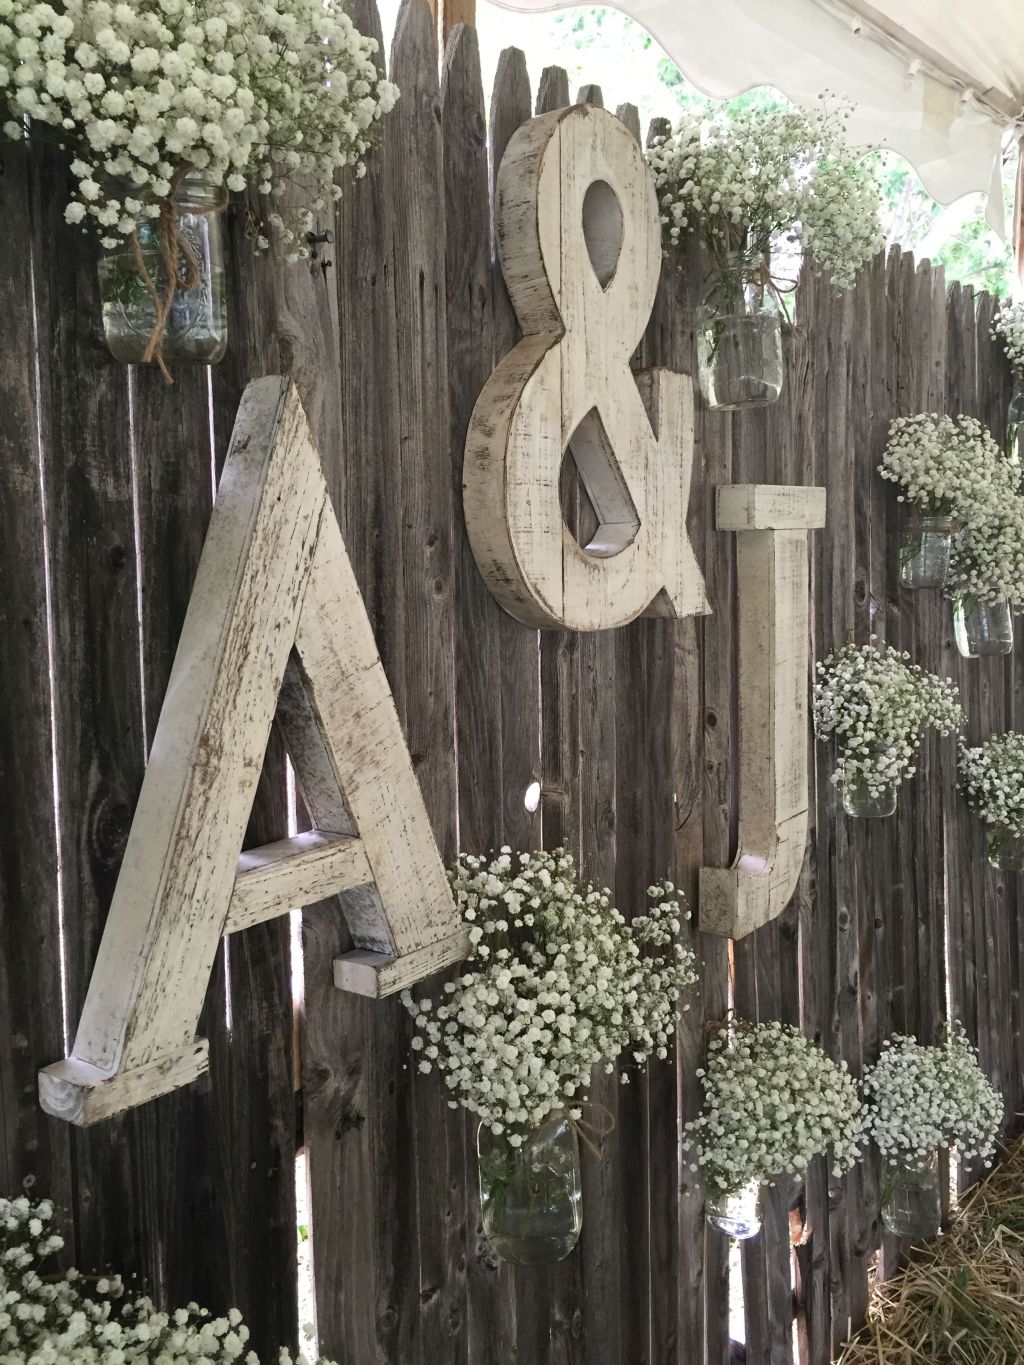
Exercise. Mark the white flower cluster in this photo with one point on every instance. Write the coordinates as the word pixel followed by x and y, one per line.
pixel 1008 327
pixel 919 1098
pixel 992 780
pixel 987 562
pixel 557 982
pixel 948 466
pixel 53 1319
pixel 246 91
pixel 877 705
pixel 748 179
pixel 772 1101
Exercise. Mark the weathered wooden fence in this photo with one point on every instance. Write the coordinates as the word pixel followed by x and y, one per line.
pixel 106 484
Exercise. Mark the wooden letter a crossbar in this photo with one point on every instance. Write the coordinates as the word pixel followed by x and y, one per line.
pixel 275 617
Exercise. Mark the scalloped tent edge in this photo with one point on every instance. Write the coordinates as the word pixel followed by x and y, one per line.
pixel 939 81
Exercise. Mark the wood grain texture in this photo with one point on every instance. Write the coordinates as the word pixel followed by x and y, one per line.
pixel 167 913
pixel 174 489
pixel 352 1048
pixel 633 736
pixel 497 746
pixel 274 576
pixel 299 871
pixel 96 672
pixel 32 1149
pixel 520 649
pixel 577 224
pixel 431 1310
pixel 772 565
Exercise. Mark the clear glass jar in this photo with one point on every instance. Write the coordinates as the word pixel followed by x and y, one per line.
pixel 869 802
pixel 197 325
pixel 531 1197
pixel 911 1197
pixel 1005 848
pixel 738 1213
pixel 739 339
pixel 925 545
pixel 982 628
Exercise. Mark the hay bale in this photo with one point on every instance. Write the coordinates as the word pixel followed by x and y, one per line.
pixel 960 1301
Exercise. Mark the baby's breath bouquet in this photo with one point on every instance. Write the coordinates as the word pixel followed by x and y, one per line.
pixel 1008 327
pixel 987 564
pixel 148 94
pixel 557 982
pixel 920 1098
pixel 745 181
pixel 992 781
pixel 877 705
pixel 951 475
pixel 917 1100
pixel 772 1102
pixel 50 1317
pixel 755 187
pixel 947 466
pixel 985 582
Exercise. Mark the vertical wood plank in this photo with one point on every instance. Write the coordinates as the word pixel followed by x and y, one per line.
pixel 549 1309
pixel 644 796
pixel 831 574
pixel 34 1151
pixel 480 686
pixel 97 700
pixel 632 734
pixel 355 1063
pixel 519 647
pixel 714 433
pixel 173 474
pixel 433 1311
pixel 251 1061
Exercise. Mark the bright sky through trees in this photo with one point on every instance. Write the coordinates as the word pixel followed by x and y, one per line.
pixel 601 45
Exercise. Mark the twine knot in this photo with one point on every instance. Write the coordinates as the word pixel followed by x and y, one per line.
pixel 181 269
pixel 590 1132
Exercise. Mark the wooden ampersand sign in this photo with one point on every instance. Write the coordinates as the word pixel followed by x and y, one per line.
pixel 275 622
pixel 580 242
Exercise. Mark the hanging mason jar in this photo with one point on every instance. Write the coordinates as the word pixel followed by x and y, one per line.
pixel 911 1197
pixel 925 545
pixel 531 1197
pixel 869 801
pixel 738 1213
pixel 143 321
pixel 739 337
pixel 1006 848
pixel 982 628
pixel 874 799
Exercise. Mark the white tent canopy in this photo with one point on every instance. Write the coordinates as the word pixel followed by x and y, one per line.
pixel 939 81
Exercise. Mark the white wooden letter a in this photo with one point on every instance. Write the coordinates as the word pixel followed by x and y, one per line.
pixel 275 615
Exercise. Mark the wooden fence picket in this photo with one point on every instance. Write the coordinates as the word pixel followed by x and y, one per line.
pixel 106 486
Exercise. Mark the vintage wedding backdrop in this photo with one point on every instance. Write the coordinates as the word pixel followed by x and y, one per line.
pixel 107 479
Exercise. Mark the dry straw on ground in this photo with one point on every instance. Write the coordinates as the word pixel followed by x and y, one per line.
pixel 961 1299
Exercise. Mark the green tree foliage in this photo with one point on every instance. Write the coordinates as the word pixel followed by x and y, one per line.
pixel 956 237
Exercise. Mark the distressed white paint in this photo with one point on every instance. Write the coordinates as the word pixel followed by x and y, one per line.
pixel 275 605
pixel 772 526
pixel 580 243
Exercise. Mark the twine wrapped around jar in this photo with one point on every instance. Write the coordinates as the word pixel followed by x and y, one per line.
pixel 181 266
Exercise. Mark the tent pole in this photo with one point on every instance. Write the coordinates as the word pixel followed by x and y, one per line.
pixel 448 13
pixel 997 102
